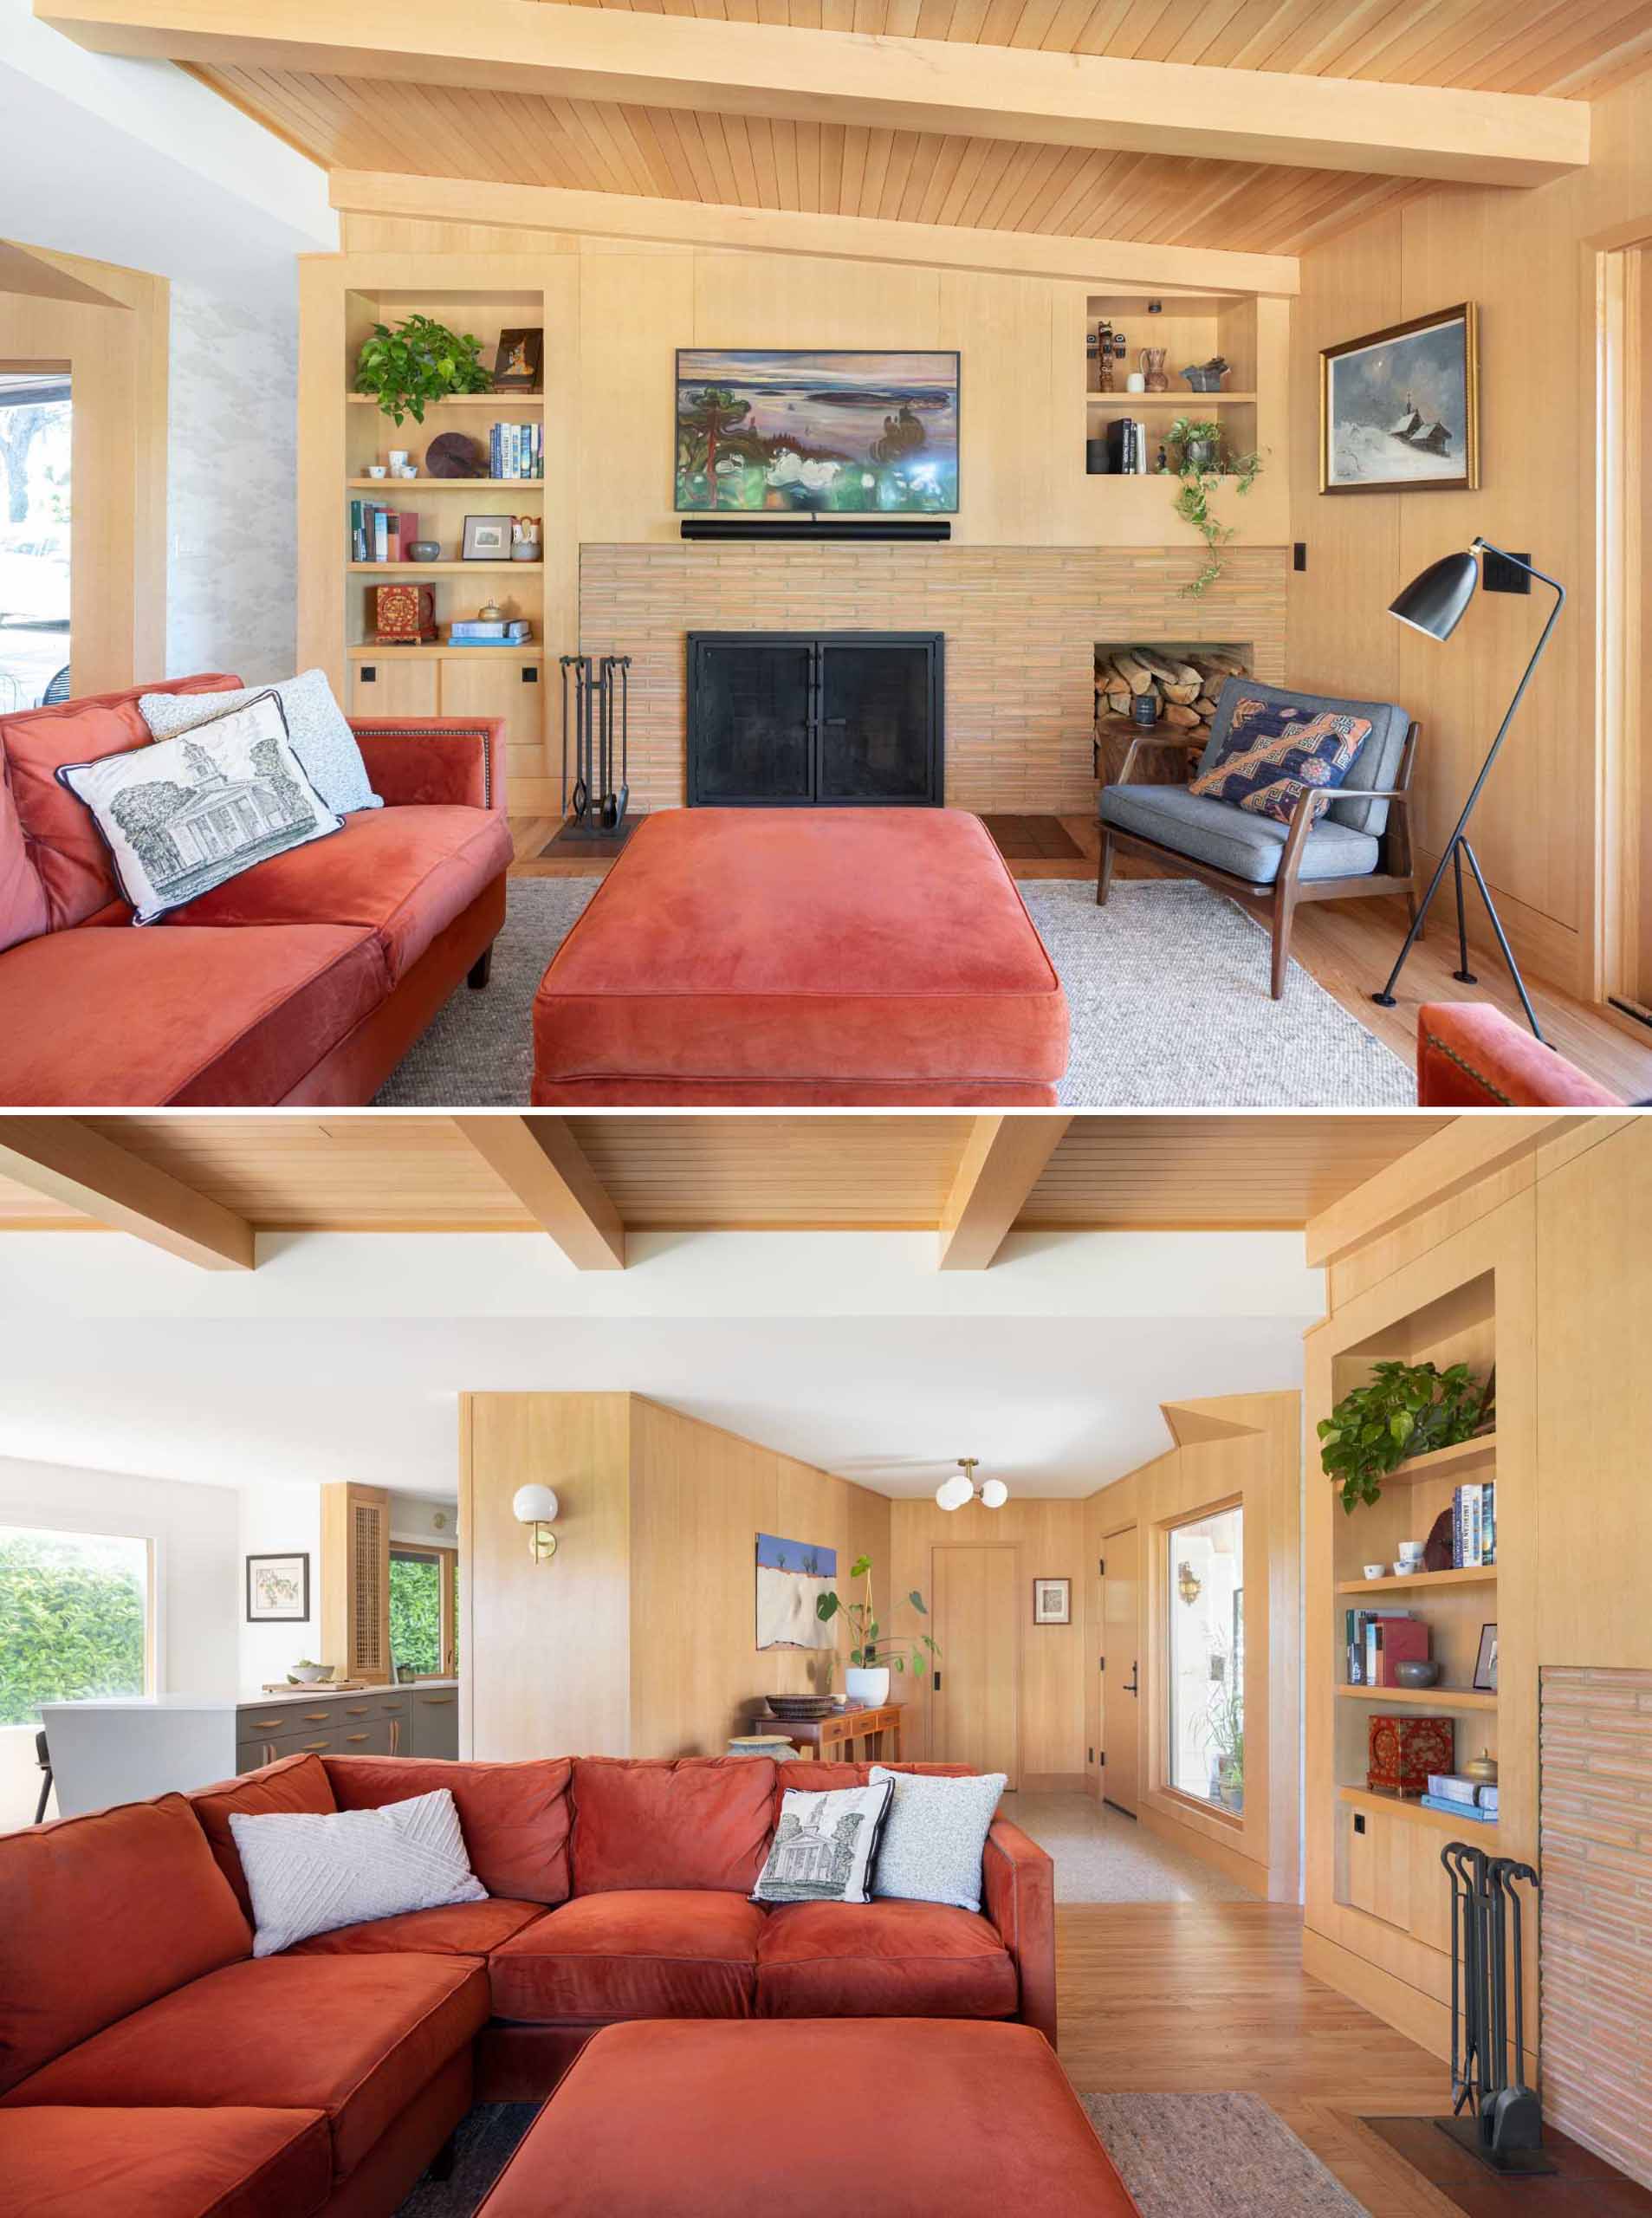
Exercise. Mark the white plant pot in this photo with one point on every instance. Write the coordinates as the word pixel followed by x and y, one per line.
pixel 868 1687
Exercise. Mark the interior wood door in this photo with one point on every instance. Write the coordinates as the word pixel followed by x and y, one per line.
pixel 975 1692
pixel 1121 1667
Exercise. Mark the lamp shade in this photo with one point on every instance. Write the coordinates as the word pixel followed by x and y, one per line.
pixel 995 1494
pixel 953 1493
pixel 533 1506
pixel 1435 598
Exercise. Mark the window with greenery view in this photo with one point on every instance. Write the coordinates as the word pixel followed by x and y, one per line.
pixel 1206 1620
pixel 416 1608
pixel 73 1619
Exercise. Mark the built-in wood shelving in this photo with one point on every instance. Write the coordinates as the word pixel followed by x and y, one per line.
pixel 441 650
pixel 422 484
pixel 407 571
pixel 1185 404
pixel 501 402
pixel 1438 1461
pixel 1402 1806
pixel 1481 1575
pixel 1423 1697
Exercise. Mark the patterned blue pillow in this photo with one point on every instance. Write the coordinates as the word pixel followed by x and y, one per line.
pixel 1273 753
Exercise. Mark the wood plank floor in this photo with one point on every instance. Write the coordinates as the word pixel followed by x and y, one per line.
pixel 1348 946
pixel 1167 1998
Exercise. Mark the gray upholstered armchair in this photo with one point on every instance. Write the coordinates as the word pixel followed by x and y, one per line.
pixel 1358 844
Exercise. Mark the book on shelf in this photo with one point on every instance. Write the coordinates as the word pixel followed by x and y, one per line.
pixel 517 450
pixel 1474 1815
pixel 1451 1787
pixel 1474 1525
pixel 1127 446
pixel 1356 1623
pixel 1392 1641
pixel 491 630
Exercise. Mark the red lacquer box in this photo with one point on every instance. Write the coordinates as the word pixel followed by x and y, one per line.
pixel 1400 1751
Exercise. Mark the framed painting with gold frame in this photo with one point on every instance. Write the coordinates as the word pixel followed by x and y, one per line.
pixel 1399 409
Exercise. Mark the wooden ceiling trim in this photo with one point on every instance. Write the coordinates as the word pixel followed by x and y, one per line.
pixel 540 1161
pixel 1003 1160
pixel 71 1164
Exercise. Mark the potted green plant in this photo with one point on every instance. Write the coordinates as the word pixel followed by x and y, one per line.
pixel 1225 1724
pixel 875 1653
pixel 1405 1410
pixel 421 361
pixel 1196 458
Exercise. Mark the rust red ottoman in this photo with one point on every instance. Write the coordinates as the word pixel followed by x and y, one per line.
pixel 701 2119
pixel 802 958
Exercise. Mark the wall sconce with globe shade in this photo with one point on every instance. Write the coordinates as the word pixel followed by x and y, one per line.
pixel 537 1506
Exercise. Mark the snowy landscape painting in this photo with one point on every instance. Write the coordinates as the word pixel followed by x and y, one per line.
pixel 790 1574
pixel 1400 411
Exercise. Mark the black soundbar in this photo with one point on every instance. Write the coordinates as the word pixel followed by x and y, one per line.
pixel 851 528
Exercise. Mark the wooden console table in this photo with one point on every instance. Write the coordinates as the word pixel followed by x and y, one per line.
pixel 834 1736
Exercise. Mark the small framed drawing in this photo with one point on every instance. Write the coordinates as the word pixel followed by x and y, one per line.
pixel 1399 410
pixel 487 539
pixel 1052 1601
pixel 278 1590
pixel 516 366
pixel 1485 1661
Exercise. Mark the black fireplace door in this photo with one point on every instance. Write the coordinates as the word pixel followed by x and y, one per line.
pixel 785 719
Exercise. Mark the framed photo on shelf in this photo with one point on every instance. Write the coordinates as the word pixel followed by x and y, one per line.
pixel 1399 409
pixel 1485 1661
pixel 278 1590
pixel 487 539
pixel 517 365
pixel 1052 1601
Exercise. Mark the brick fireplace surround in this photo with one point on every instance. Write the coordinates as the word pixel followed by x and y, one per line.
pixel 1020 626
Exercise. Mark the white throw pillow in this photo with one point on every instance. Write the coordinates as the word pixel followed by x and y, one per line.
pixel 308 1873
pixel 824 1845
pixel 186 815
pixel 318 729
pixel 936 1836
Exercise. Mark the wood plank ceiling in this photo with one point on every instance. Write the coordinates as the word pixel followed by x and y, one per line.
pixel 769 1173
pixel 1572 49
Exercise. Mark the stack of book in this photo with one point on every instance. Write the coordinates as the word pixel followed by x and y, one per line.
pixel 1127 446
pixel 517 450
pixel 379 534
pixel 490 631
pixel 1463 1797
pixel 1377 1640
pixel 1473 1525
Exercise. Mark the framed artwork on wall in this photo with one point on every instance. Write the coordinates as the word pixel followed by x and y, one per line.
pixel 829 432
pixel 487 539
pixel 791 1576
pixel 517 364
pixel 1052 1601
pixel 1399 410
pixel 278 1590
pixel 1485 1661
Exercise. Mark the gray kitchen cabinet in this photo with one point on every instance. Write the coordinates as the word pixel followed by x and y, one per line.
pixel 436 1723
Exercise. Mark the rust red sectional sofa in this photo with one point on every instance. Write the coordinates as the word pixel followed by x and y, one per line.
pixel 149 2062
pixel 303 982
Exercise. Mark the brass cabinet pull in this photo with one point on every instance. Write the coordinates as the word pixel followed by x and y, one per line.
pixel 268 1723
pixel 355 1710
pixel 395 1736
pixel 316 1717
pixel 434 1702
pixel 310 1746
pixel 358 1737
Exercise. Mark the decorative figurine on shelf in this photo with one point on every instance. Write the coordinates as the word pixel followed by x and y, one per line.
pixel 524 539
pixel 1152 361
pixel 490 612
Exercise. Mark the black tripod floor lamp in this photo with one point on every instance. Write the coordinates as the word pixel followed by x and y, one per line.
pixel 1433 604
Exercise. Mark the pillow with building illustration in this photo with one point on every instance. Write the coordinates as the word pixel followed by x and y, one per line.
pixel 189 813
pixel 317 729
pixel 824 1846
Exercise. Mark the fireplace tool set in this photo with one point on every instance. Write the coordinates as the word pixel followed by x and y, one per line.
pixel 1505 2125
pixel 596 719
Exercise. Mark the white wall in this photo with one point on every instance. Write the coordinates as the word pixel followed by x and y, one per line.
pixel 195 1532
pixel 279 1520
pixel 413 1517
pixel 231 483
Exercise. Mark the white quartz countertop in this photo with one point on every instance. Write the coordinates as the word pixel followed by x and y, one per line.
pixel 205 1702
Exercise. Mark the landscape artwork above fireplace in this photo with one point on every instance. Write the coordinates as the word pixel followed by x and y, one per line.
pixel 825 433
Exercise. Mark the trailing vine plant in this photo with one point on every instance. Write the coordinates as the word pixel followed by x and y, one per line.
pixel 1196 457
pixel 420 361
pixel 1406 1409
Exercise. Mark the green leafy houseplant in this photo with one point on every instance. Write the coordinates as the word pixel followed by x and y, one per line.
pixel 1407 1409
pixel 1225 1725
pixel 1196 458
pixel 874 1648
pixel 420 361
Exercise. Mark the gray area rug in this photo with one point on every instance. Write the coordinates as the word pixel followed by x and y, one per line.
pixel 1168 987
pixel 1215 2156
pixel 1180 2156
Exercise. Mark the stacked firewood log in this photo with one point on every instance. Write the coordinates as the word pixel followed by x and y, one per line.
pixel 1187 686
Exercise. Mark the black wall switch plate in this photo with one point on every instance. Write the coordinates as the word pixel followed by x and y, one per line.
pixel 1497 575
pixel 1299 555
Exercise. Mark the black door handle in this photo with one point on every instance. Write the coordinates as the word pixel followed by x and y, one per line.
pixel 937 1683
pixel 1134 1686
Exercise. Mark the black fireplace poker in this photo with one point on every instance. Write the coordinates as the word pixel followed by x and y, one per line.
pixel 596 738
pixel 1504 2128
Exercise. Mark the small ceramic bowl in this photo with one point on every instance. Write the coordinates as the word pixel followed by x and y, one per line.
pixel 1413 1551
pixel 1375 1570
pixel 1416 1671
pixel 1405 1570
pixel 376 469
pixel 408 470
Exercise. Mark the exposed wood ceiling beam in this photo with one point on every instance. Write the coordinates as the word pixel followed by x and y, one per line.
pixel 63 1158
pixel 899 84
pixel 1102 264
pixel 543 1164
pixel 1445 1164
pixel 1003 1160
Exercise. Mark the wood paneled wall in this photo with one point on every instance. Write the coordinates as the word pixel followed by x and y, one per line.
pixel 1253 1456
pixel 1529 259
pixel 639 1639
pixel 1049 1540
pixel 115 350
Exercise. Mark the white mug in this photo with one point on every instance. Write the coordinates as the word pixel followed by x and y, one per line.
pixel 398 457
pixel 1136 382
